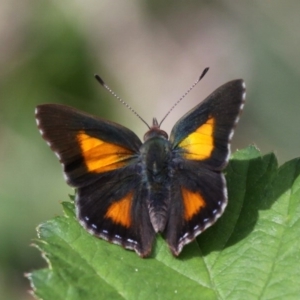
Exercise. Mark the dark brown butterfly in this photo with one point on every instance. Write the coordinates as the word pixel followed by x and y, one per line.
pixel 126 190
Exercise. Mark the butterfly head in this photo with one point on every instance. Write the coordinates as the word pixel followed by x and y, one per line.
pixel 155 131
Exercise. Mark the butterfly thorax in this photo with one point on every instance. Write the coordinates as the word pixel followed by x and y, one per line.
pixel 155 154
pixel 155 161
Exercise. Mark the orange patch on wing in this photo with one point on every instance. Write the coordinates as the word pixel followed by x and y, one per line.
pixel 101 156
pixel 119 212
pixel 199 144
pixel 193 202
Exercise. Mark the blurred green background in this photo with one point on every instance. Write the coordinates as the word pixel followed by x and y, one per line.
pixel 149 52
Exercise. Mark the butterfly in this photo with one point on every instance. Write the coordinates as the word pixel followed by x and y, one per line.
pixel 128 191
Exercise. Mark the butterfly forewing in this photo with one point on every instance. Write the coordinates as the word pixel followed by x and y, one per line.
pixel 85 145
pixel 204 133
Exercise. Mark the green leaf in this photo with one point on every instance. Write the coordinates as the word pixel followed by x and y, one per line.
pixel 252 252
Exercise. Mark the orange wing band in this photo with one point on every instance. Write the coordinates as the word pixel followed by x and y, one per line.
pixel 199 144
pixel 101 156
pixel 193 202
pixel 119 212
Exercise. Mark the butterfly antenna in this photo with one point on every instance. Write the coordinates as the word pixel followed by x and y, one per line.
pixel 99 79
pixel 194 84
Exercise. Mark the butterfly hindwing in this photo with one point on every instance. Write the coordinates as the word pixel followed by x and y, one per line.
pixel 114 209
pixel 199 197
